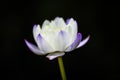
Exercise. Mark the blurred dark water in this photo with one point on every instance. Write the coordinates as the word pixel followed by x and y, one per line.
pixel 97 60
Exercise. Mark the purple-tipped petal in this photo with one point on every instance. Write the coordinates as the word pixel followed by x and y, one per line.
pixel 52 56
pixel 75 43
pixel 34 48
pixel 83 42
pixel 61 41
pixel 67 21
pixel 36 31
pixel 44 45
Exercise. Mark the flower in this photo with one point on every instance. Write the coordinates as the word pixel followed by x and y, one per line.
pixel 56 37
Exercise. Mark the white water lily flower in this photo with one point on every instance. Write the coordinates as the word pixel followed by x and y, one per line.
pixel 56 37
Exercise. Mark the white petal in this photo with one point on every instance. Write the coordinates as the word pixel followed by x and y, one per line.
pixel 72 29
pixel 61 41
pixel 52 56
pixel 36 31
pixel 34 48
pixel 83 42
pixel 45 25
pixel 50 38
pixel 44 45
pixel 46 22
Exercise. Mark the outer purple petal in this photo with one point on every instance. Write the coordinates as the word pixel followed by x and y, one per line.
pixel 52 56
pixel 75 43
pixel 83 42
pixel 34 48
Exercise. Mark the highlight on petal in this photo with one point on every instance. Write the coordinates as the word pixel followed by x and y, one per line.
pixel 44 45
pixel 34 48
pixel 83 42
pixel 54 55
pixel 75 43
pixel 36 31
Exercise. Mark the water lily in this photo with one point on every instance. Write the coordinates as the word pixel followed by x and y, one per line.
pixel 56 37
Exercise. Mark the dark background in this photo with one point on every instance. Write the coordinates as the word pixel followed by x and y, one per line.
pixel 97 60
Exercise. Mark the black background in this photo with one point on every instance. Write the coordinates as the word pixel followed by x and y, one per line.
pixel 97 60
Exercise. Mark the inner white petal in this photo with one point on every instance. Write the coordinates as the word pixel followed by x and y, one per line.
pixel 61 41
pixel 72 29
